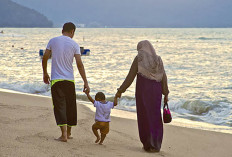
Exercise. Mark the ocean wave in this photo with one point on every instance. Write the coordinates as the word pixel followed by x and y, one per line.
pixel 195 107
pixel 11 35
pixel 32 88
pixel 215 112
pixel 205 38
pixel 198 107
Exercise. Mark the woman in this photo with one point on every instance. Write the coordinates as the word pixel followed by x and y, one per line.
pixel 151 84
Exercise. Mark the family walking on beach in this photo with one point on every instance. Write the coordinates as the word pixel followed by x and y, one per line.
pixel 150 85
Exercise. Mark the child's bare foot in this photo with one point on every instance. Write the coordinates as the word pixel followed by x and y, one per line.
pixel 62 139
pixel 69 136
pixel 97 140
pixel 103 136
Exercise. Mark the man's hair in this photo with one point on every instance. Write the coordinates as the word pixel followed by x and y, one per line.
pixel 69 26
pixel 100 96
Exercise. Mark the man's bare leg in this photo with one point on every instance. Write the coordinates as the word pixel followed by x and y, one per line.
pixel 69 132
pixel 96 134
pixel 103 136
pixel 63 137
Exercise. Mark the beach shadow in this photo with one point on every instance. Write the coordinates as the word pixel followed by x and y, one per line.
pixel 141 150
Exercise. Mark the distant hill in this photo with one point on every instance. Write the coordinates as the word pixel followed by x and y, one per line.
pixel 15 15
pixel 136 13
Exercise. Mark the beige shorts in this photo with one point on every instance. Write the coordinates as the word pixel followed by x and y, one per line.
pixel 103 126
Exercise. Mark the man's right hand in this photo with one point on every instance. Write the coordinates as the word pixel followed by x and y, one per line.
pixel 86 92
pixel 46 79
pixel 86 88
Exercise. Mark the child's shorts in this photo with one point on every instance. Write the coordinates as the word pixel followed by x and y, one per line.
pixel 103 126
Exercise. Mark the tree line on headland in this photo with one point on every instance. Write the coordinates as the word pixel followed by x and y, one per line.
pixel 15 15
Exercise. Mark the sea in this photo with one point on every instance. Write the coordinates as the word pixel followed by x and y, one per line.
pixel 198 64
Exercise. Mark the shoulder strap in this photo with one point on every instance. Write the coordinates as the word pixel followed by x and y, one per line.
pixel 165 106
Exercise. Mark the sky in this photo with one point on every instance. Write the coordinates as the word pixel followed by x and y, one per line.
pixel 136 13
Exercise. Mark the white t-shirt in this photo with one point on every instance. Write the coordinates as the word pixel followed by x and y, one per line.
pixel 103 111
pixel 63 49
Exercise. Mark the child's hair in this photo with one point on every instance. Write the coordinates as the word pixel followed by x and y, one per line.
pixel 100 96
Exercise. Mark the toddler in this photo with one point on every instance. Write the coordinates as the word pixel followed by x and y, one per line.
pixel 102 115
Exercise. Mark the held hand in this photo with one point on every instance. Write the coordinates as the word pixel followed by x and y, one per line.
pixel 46 79
pixel 165 99
pixel 86 88
pixel 118 95
pixel 86 92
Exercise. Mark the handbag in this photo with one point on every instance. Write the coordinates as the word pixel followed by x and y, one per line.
pixel 167 117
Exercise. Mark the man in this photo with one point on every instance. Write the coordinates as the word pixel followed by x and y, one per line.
pixel 63 49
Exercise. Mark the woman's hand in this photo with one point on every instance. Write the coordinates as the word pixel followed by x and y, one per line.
pixel 118 95
pixel 165 99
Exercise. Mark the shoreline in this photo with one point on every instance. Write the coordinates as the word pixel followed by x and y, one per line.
pixel 181 122
pixel 30 130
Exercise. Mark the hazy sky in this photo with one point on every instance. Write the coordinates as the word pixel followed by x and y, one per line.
pixel 144 13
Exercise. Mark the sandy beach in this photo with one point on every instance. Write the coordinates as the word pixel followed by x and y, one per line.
pixel 28 129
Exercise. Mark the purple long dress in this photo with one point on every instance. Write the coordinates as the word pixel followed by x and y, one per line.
pixel 148 103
